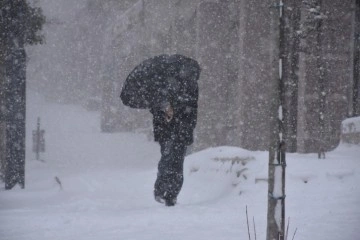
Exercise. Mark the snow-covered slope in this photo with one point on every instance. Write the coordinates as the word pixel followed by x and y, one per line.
pixel 107 182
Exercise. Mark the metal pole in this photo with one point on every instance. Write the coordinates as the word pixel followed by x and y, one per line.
pixel 277 162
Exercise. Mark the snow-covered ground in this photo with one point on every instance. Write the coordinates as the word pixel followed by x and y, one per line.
pixel 107 182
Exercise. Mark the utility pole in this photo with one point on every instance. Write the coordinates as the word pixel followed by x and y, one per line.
pixel 277 161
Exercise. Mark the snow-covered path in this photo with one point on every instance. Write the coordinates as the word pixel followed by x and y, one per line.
pixel 107 182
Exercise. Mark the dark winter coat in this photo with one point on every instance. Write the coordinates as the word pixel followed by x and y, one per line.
pixel 161 81
pixel 182 126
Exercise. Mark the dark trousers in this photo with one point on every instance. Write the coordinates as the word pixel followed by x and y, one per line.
pixel 170 175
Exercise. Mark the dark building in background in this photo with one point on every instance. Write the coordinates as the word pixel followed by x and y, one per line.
pixel 325 82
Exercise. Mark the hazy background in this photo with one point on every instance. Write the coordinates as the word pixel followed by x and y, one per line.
pixel 91 46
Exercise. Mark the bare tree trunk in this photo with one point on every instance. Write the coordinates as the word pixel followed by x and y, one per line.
pixel 321 82
pixel 355 111
pixel 15 101
pixel 2 117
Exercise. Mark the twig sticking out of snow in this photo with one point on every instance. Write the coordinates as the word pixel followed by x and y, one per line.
pixel 58 182
pixel 254 227
pixel 294 234
pixel 247 221
pixel 287 229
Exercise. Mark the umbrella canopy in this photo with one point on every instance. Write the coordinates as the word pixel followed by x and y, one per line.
pixel 159 79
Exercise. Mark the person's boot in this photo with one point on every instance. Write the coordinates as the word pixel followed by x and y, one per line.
pixel 160 199
pixel 170 202
pixel 165 198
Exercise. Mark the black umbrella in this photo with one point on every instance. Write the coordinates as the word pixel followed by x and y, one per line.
pixel 159 79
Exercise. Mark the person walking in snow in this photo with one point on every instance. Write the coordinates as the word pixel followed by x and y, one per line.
pixel 167 86
pixel 173 125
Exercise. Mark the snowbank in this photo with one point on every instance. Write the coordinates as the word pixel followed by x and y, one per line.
pixel 350 130
pixel 107 188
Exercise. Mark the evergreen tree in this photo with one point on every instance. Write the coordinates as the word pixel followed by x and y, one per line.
pixel 20 24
